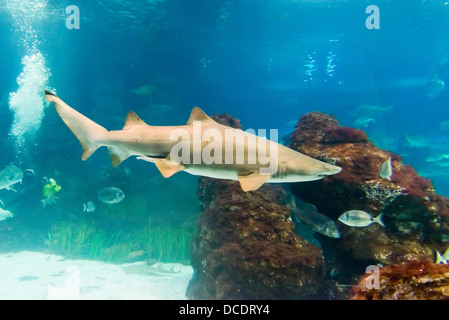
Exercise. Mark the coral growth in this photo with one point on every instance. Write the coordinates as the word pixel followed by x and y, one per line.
pixel 343 135
pixel 412 211
pixel 246 247
pixel 415 185
pixel 414 280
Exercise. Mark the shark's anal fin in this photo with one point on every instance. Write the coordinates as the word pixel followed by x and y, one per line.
pixel 253 181
pixel 168 167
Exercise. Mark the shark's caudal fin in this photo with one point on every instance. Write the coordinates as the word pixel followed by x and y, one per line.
pixel 88 132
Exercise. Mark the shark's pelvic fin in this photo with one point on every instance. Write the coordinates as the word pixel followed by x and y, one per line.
pixel 132 119
pixel 253 181
pixel 168 167
pixel 89 133
pixel 198 115
pixel 117 156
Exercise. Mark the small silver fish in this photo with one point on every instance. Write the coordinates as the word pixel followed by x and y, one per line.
pixel 110 195
pixel 9 176
pixel 89 206
pixel 5 214
pixel 51 198
pixel 359 218
pixel 317 221
pixel 386 169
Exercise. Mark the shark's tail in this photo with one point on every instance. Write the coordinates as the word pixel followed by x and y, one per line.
pixel 88 132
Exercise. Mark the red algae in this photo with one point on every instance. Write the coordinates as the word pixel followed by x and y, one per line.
pixel 246 246
pixel 414 280
pixel 344 135
pixel 409 203
pixel 415 185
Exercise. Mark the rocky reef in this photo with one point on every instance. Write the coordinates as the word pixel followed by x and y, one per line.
pixel 413 280
pixel 415 217
pixel 246 246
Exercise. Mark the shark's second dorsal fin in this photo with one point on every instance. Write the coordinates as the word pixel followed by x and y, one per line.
pixel 198 115
pixel 132 119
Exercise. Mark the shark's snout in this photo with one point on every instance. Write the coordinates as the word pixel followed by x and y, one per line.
pixel 329 169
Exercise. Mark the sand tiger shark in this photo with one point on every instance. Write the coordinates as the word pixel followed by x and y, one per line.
pixel 226 153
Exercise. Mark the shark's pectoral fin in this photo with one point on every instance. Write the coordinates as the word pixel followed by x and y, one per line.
pixel 168 167
pixel 253 181
pixel 117 156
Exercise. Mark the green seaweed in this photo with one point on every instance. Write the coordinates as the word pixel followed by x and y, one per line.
pixel 164 243
pixel 76 239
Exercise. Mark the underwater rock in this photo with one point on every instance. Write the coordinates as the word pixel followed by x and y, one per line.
pixel 344 135
pixel 415 216
pixel 413 280
pixel 246 247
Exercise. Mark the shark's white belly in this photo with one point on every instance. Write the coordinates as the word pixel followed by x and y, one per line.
pixel 222 173
pixel 212 172
pixel 293 178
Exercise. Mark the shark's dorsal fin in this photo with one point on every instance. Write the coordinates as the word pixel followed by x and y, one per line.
pixel 168 167
pixel 253 181
pixel 132 119
pixel 198 115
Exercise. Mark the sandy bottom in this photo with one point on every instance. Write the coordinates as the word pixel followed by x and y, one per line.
pixel 36 275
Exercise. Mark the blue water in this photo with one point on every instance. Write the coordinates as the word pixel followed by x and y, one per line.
pixel 264 62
